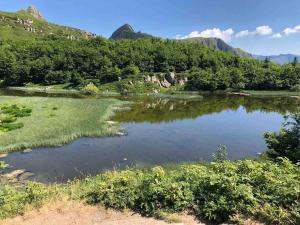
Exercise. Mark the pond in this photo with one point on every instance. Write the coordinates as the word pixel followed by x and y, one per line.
pixel 164 131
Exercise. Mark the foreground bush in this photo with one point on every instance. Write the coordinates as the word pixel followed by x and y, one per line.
pixel 216 192
pixel 285 143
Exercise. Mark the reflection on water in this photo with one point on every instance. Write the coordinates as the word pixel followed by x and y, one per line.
pixel 165 131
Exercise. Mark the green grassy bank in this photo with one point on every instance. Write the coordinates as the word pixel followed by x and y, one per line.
pixel 56 121
pixel 216 192
pixel 272 93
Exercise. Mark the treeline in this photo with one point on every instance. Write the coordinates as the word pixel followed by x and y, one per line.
pixel 55 61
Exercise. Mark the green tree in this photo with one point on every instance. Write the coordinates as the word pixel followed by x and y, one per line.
pixel 286 143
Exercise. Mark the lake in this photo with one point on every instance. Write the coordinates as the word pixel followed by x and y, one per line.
pixel 164 131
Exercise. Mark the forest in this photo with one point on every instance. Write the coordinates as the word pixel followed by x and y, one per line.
pixel 100 61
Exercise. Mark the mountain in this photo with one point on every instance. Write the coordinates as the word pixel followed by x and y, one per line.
pixel 127 32
pixel 28 24
pixel 33 11
pixel 218 44
pixel 280 59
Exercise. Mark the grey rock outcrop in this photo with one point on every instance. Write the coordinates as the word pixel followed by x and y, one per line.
pixel 165 80
pixel 171 78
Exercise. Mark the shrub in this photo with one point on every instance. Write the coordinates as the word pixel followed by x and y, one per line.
pixel 130 70
pixel 12 202
pixel 296 88
pixel 90 89
pixel 286 143
pixel 161 192
pixel 115 189
pixel 218 192
pixel 221 153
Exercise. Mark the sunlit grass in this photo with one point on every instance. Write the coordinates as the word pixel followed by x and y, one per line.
pixel 56 121
pixel 272 93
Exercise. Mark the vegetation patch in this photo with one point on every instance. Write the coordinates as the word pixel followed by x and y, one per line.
pixel 9 115
pixel 218 192
pixel 55 121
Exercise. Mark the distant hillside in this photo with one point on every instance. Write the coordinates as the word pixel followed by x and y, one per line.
pixel 127 32
pixel 280 59
pixel 218 44
pixel 28 24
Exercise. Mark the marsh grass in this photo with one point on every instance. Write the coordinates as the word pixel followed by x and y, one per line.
pixel 56 121
pixel 271 93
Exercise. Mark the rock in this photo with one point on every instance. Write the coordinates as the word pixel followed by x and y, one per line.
pixel 181 82
pixel 27 150
pixel 147 78
pixel 120 133
pixel 3 156
pixel 33 11
pixel 14 174
pixel 131 83
pixel 171 78
pixel 111 122
pixel 165 83
pixel 25 176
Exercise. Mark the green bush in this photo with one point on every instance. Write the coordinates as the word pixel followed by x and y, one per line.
pixel 296 88
pixel 12 202
pixel 90 89
pixel 286 143
pixel 217 192
pixel 159 191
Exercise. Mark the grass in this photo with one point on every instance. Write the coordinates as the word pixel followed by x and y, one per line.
pixel 56 121
pixel 55 89
pixel 11 30
pixel 272 93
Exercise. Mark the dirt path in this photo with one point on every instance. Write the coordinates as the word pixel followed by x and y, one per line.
pixel 73 213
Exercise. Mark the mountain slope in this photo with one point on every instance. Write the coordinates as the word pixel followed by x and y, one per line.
pixel 218 44
pixel 280 59
pixel 127 32
pixel 28 24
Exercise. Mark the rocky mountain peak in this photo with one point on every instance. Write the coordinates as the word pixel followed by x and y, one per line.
pixel 127 32
pixel 33 11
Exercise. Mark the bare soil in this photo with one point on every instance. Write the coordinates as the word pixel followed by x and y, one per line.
pixel 74 213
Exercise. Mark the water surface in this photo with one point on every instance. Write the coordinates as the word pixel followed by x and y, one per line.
pixel 164 131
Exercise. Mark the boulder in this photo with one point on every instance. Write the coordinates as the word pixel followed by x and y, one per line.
pixel 165 83
pixel 171 78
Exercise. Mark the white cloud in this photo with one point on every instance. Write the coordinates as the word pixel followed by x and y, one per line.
pixel 225 35
pixel 229 34
pixel 243 33
pixel 277 35
pixel 288 31
pixel 264 30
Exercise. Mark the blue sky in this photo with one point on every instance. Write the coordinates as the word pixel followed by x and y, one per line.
pixel 257 26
